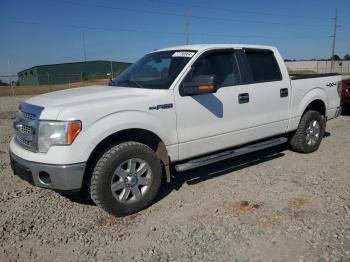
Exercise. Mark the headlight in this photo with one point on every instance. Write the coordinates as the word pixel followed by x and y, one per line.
pixel 57 133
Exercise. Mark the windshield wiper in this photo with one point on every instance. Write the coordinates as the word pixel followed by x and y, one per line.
pixel 128 81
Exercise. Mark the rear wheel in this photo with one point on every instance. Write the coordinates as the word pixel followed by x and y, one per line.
pixel 310 132
pixel 126 179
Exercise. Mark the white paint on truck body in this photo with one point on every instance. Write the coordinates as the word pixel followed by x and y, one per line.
pixel 188 129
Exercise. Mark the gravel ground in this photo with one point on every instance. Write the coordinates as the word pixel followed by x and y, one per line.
pixel 275 205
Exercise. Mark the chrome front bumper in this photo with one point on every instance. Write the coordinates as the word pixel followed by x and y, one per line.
pixel 57 177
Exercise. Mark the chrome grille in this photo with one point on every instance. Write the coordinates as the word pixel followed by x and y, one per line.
pixel 26 130
pixel 26 126
pixel 24 142
pixel 28 116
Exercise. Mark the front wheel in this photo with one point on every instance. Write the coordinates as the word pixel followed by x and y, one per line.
pixel 309 134
pixel 126 178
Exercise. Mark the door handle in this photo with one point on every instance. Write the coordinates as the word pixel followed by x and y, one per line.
pixel 243 98
pixel 284 92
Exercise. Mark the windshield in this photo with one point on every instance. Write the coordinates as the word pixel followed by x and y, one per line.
pixel 155 71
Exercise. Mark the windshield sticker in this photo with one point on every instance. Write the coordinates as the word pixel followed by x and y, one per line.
pixel 183 54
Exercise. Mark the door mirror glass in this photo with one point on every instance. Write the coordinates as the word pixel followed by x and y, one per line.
pixel 200 84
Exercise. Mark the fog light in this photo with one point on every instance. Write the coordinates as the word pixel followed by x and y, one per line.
pixel 45 178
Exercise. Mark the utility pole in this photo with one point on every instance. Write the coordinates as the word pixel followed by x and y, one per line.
pixel 48 80
pixel 334 36
pixel 111 69
pixel 187 22
pixel 84 67
pixel 10 77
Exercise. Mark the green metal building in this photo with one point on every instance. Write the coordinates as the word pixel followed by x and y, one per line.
pixel 70 72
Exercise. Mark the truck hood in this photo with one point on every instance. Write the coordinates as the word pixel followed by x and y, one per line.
pixel 84 95
pixel 91 96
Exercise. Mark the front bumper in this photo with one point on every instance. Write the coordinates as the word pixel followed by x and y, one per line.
pixel 57 177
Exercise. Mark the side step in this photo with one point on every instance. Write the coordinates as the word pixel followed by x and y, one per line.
pixel 230 153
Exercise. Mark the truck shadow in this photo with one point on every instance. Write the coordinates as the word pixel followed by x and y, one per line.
pixel 222 168
pixel 200 174
pixel 218 169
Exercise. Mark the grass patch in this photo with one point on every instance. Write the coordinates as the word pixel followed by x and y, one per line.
pixel 301 72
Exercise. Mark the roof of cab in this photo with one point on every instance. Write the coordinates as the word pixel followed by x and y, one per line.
pixel 201 47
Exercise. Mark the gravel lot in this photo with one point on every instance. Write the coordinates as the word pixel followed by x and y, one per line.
pixel 275 205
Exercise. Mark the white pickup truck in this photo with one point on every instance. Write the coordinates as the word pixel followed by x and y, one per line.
pixel 185 106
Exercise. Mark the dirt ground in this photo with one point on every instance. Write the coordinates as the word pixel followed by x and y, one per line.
pixel 32 90
pixel 275 205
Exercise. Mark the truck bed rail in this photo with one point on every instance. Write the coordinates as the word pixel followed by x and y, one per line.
pixel 305 76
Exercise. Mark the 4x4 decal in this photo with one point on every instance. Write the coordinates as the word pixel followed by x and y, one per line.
pixel 331 84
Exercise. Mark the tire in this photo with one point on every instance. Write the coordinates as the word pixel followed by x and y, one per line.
pixel 307 129
pixel 117 183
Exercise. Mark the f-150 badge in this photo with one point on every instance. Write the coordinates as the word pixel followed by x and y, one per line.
pixel 163 106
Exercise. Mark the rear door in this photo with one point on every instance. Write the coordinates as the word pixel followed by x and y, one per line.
pixel 269 93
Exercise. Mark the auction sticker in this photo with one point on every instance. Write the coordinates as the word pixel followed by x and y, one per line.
pixel 183 54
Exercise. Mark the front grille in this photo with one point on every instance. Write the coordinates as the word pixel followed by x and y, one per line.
pixel 24 142
pixel 26 130
pixel 26 126
pixel 28 116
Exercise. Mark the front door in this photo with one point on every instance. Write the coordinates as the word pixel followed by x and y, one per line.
pixel 210 122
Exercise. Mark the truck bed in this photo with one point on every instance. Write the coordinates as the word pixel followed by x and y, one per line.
pixel 308 87
pixel 305 76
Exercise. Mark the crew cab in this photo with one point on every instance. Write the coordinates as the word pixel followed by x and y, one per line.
pixel 185 106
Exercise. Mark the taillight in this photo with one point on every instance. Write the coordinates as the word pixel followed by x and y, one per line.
pixel 340 88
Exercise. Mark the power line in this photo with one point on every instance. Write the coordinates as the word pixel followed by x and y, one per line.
pixel 182 15
pixel 150 31
pixel 87 27
pixel 236 10
pixel 346 27
pixel 8 76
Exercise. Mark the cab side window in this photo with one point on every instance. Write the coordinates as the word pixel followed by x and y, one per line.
pixel 222 65
pixel 264 66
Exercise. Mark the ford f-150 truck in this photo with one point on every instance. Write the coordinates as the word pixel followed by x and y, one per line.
pixel 184 106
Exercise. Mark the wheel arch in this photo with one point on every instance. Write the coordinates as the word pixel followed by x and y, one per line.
pixel 140 135
pixel 317 105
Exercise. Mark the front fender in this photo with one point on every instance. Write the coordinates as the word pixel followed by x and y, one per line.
pixel 110 124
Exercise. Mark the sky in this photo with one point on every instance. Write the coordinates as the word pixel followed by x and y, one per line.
pixel 34 32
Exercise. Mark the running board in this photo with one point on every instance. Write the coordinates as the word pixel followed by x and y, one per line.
pixel 229 154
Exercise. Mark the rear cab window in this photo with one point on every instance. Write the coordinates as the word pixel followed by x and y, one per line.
pixel 263 65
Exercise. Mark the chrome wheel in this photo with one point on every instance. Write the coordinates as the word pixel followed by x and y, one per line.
pixel 131 180
pixel 313 132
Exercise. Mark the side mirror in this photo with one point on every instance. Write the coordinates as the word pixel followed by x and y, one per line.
pixel 202 84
